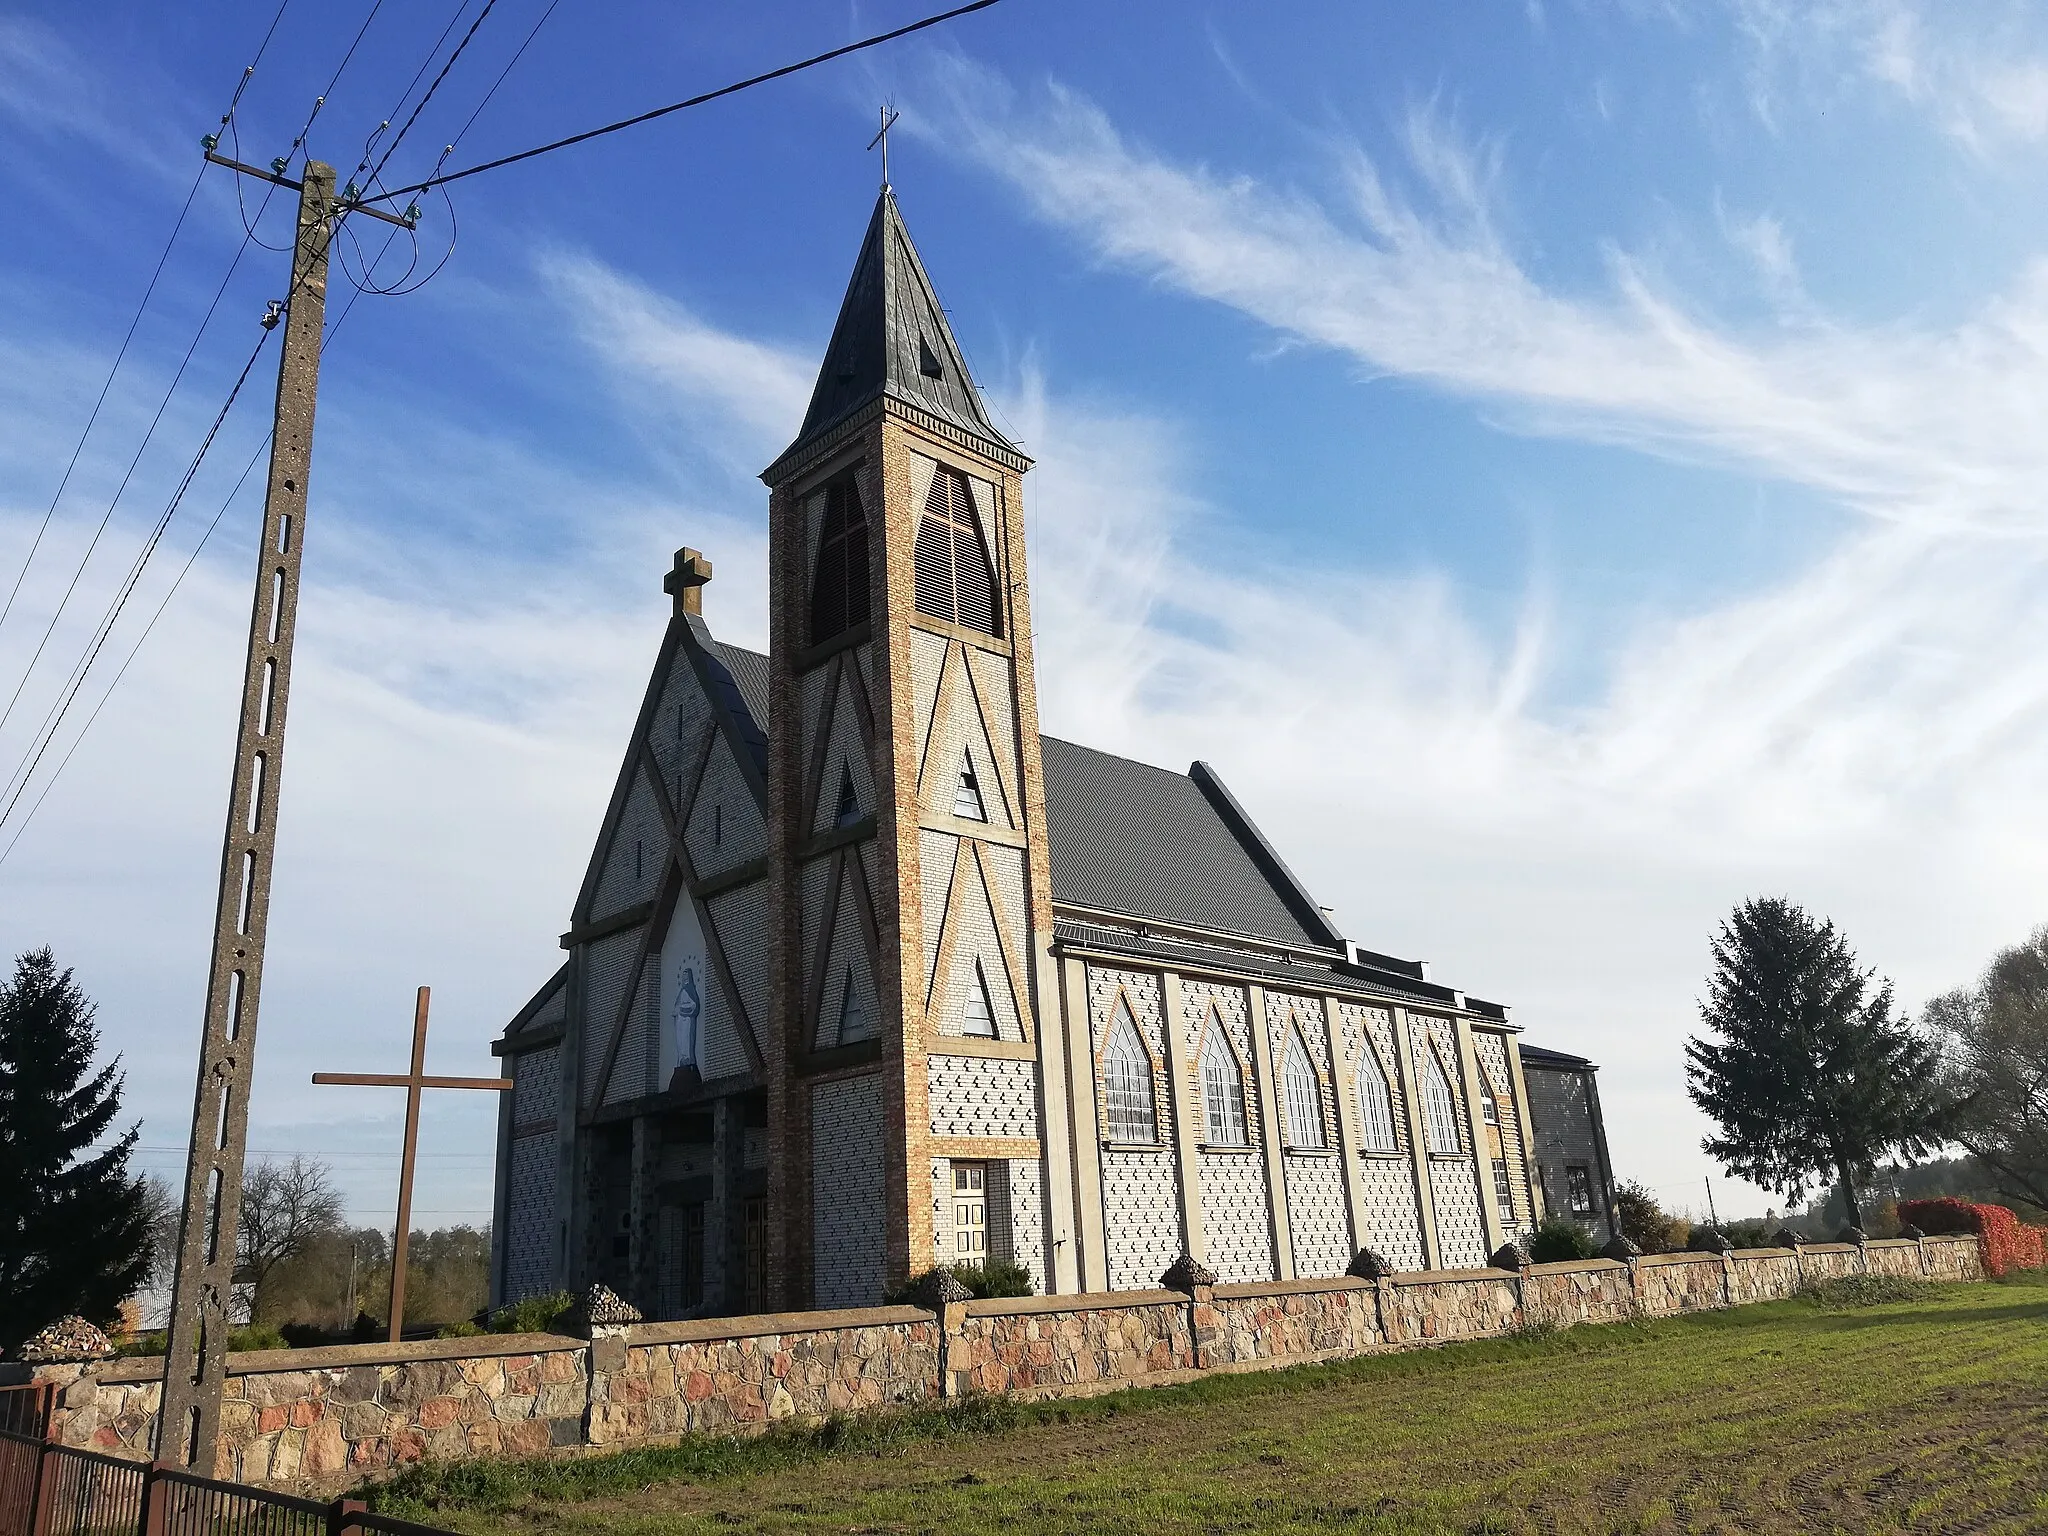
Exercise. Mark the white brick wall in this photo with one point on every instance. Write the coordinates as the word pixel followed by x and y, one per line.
pixel 1027 1219
pixel 1235 1217
pixel 980 1096
pixel 1460 1238
pixel 1316 1219
pixel 1389 1223
pixel 847 1217
pixel 1141 1217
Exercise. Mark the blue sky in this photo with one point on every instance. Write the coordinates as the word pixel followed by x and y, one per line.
pixel 1569 467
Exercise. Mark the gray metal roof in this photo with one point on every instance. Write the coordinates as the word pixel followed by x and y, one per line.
pixel 750 674
pixel 892 339
pixel 1546 1060
pixel 1147 842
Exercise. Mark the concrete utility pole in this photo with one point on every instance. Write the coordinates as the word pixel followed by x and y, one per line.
pixel 196 1359
pixel 412 1083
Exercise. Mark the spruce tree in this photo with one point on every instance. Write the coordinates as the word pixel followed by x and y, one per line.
pixel 1813 1076
pixel 74 1223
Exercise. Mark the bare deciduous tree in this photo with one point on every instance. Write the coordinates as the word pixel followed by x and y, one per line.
pixel 1995 1036
pixel 286 1207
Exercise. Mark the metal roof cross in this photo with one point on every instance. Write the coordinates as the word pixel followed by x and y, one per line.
pixel 889 116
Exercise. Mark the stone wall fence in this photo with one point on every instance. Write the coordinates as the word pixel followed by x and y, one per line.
pixel 339 1413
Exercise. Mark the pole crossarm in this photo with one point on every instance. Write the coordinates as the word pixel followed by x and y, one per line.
pixel 285 181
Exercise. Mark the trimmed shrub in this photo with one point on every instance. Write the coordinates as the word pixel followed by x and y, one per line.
pixel 1559 1240
pixel 536 1314
pixel 996 1277
pixel 2005 1241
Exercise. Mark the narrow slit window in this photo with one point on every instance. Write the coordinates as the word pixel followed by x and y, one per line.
pixel 967 802
pixel 1304 1095
pixel 854 1023
pixel 1222 1092
pixel 954 579
pixel 1127 1081
pixel 839 586
pixel 1375 1105
pixel 849 802
pixel 978 1017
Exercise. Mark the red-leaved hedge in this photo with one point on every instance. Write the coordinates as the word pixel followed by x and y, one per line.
pixel 2007 1242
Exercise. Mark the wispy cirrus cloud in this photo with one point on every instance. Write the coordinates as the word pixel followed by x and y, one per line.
pixel 1933 427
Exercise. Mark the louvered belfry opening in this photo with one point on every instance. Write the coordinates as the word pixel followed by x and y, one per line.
pixel 954 579
pixel 839 589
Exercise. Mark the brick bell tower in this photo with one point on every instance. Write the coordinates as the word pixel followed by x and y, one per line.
pixel 910 905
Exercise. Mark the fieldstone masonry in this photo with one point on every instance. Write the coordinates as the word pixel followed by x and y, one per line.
pixel 296 1416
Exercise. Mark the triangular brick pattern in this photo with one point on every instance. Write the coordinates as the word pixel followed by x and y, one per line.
pixel 1454 1181
pixel 681 724
pixel 1390 1221
pixel 848 955
pixel 1318 1222
pixel 1237 1214
pixel 1491 1056
pixel 1140 1188
pixel 739 921
pixel 937 852
pixel 959 730
pixel 970 937
pixel 725 828
pixel 633 861
pixel 846 752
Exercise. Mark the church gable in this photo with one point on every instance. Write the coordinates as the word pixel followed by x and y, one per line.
pixel 634 852
pixel 725 827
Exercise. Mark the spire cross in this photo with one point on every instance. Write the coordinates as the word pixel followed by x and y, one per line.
pixel 412 1082
pixel 889 116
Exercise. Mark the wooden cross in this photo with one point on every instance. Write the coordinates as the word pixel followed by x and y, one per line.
pixel 412 1082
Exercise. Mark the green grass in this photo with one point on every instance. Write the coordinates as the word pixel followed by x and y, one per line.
pixel 1855 1408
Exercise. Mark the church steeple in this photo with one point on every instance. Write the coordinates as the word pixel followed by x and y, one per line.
pixel 892 339
pixel 908 884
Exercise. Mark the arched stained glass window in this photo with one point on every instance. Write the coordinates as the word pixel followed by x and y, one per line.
pixel 1375 1104
pixel 839 584
pixel 1127 1080
pixel 1222 1092
pixel 1440 1105
pixel 954 579
pixel 1304 1094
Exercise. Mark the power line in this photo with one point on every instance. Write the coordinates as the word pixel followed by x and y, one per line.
pixel 49 783
pixel 77 680
pixel 121 355
pixel 694 101
pixel 467 37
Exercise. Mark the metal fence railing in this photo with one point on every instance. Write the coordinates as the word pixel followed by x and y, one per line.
pixel 47 1489
pixel 25 1408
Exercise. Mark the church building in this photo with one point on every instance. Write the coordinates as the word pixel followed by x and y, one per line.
pixel 867 975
